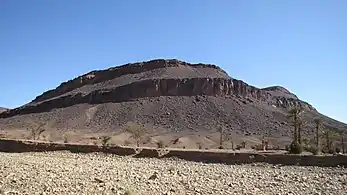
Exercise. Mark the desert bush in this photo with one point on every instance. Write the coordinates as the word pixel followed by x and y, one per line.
pixel 313 149
pixel 138 131
pixel 36 129
pixel 160 144
pixel 105 139
pixel 328 150
pixel 127 143
pixel 257 147
pixel 243 144
pixel 337 150
pixel 199 146
pixel 146 139
pixel 65 139
pixel 276 147
pixel 295 148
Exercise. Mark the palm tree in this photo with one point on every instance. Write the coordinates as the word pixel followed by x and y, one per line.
pixel 318 125
pixel 300 127
pixel 295 116
pixel 342 142
pixel 328 139
pixel 221 136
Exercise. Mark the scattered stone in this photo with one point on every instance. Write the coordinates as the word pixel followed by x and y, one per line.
pixel 99 180
pixel 72 173
pixel 154 176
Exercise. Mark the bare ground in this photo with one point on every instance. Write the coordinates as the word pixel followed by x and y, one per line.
pixel 68 173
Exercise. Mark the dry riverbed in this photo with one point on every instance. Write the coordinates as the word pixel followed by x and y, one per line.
pixel 68 173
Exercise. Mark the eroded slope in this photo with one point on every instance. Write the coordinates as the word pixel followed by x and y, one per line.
pixel 169 94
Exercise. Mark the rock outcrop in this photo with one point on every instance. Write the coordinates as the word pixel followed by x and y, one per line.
pixel 94 77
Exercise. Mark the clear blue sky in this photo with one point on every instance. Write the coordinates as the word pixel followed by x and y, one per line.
pixel 298 44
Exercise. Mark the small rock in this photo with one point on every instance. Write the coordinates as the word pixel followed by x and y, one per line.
pixel 154 176
pixel 99 180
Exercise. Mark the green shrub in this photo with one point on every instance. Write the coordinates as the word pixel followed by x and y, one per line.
pixel 295 148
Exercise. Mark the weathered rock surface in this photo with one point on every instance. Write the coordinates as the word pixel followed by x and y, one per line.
pixel 164 87
pixel 94 77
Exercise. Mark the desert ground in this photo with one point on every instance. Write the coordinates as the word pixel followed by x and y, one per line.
pixel 188 140
pixel 71 173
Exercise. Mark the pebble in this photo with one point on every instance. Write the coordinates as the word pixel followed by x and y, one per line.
pixel 68 173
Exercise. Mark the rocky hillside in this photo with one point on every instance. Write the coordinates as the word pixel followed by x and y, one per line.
pixel 169 94
pixel 3 109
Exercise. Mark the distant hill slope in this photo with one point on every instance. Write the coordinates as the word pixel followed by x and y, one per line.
pixel 3 109
pixel 169 94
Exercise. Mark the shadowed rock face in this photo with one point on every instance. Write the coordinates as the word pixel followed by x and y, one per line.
pixel 94 77
pixel 124 87
pixel 218 87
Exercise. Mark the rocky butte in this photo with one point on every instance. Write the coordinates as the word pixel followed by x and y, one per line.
pixel 169 94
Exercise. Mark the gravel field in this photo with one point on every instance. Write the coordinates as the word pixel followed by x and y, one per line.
pixel 68 173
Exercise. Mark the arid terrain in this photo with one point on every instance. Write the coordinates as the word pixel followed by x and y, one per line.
pixel 2 109
pixel 178 103
pixel 68 173
pixel 173 104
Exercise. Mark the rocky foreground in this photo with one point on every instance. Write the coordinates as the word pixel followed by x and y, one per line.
pixel 69 173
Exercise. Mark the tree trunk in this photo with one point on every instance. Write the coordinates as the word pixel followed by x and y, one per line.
pixel 343 144
pixel 221 140
pixel 295 129
pixel 299 135
pixel 328 141
pixel 317 136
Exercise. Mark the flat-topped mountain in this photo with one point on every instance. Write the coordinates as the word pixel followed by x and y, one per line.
pixel 168 94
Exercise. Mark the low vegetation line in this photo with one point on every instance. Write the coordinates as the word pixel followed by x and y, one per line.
pixel 224 157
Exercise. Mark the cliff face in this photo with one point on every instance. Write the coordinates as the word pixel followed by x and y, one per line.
pixel 94 77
